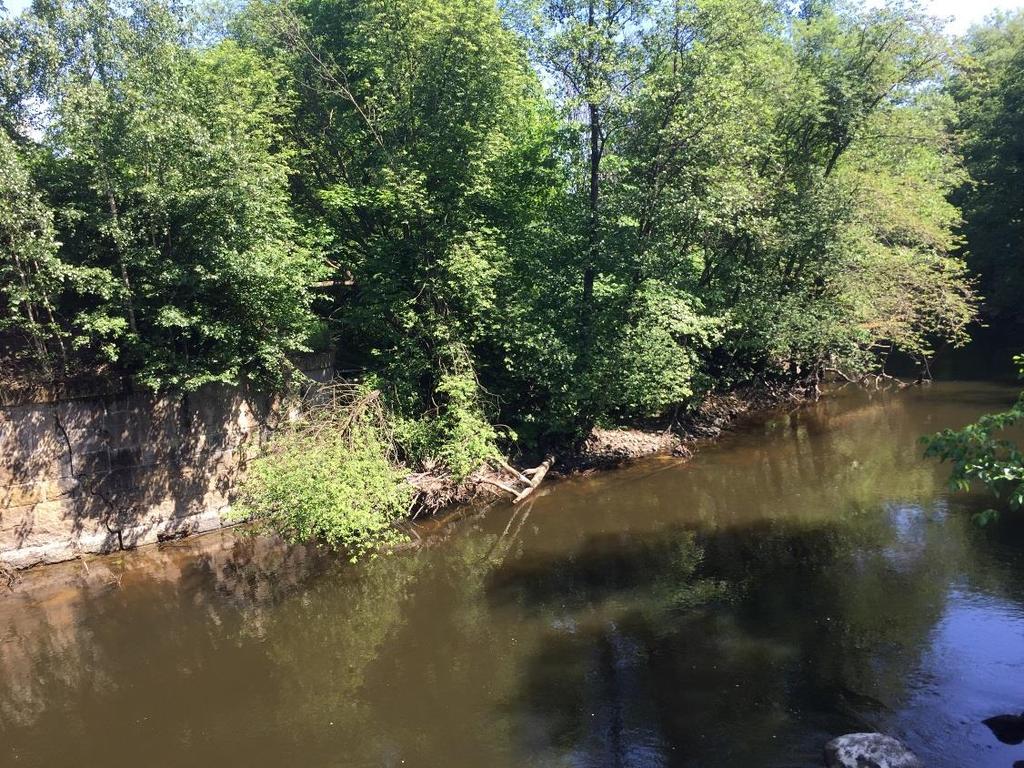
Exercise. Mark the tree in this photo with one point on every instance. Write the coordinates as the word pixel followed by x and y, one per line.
pixel 593 54
pixel 989 93
pixel 32 277
pixel 168 168
pixel 422 128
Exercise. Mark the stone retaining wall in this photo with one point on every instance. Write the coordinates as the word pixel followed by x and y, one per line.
pixel 117 470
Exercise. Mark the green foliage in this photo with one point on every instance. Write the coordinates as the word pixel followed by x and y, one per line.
pixel 789 188
pixel 655 363
pixel 455 437
pixel 539 214
pixel 331 476
pixel 989 93
pixel 979 453
pixel 31 274
pixel 170 174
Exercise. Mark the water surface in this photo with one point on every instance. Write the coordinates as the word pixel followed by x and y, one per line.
pixel 806 576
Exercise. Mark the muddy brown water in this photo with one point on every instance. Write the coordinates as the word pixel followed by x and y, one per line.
pixel 806 576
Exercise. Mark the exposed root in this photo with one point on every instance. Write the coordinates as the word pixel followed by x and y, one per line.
pixel 878 381
pixel 436 490
pixel 500 485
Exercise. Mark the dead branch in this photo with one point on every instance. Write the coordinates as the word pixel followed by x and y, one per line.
pixel 538 478
pixel 498 484
pixel 520 476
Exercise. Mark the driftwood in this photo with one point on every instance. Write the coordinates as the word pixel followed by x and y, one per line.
pixel 522 477
pixel 530 479
pixel 498 484
pixel 538 474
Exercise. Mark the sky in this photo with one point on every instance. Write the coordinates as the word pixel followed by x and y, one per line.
pixel 964 13
pixel 968 12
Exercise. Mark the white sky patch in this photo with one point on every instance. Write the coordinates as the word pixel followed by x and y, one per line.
pixel 966 13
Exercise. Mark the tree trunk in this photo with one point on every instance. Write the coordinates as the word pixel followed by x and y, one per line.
pixel 593 240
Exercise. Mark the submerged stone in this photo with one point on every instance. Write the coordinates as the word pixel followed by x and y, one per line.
pixel 1009 729
pixel 869 750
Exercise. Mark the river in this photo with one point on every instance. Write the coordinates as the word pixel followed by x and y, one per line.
pixel 808 574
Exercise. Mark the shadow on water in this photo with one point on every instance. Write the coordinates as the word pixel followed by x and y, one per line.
pixel 739 647
pixel 806 576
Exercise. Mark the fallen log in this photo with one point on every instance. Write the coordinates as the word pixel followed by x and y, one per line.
pixel 521 477
pixel 537 477
pixel 498 484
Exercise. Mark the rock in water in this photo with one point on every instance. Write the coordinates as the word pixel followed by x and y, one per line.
pixel 1009 729
pixel 869 750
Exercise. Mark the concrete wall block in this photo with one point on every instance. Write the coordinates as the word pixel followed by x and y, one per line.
pixel 116 487
pixel 92 462
pixel 165 509
pixel 59 467
pixel 130 402
pixel 25 557
pixel 217 440
pixel 126 457
pixel 200 448
pixel 22 494
pixel 161 445
pixel 154 531
pixel 90 506
pixel 140 534
pixel 128 428
pixel 85 440
pixel 26 426
pixel 166 416
pixel 160 480
pixel 98 542
pixel 154 467
pixel 30 444
pixel 39 524
pixel 101 542
pixel 152 454
pixel 61 488
pixel 82 414
pixel 15 526
pixel 212 406
pixel 216 500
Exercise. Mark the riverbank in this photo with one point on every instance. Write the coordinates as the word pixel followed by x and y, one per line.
pixel 106 468
pixel 607 448
pixel 113 472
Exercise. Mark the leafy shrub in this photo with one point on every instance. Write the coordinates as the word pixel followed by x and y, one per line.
pixel 978 454
pixel 331 476
pixel 655 363
pixel 457 435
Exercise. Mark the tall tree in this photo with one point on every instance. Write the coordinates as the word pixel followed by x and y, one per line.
pixel 593 53
pixel 32 277
pixel 989 92
pixel 168 167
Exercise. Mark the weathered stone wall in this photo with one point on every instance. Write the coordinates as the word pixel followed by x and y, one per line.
pixel 117 470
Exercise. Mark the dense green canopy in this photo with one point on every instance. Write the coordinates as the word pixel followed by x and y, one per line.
pixel 989 92
pixel 535 213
